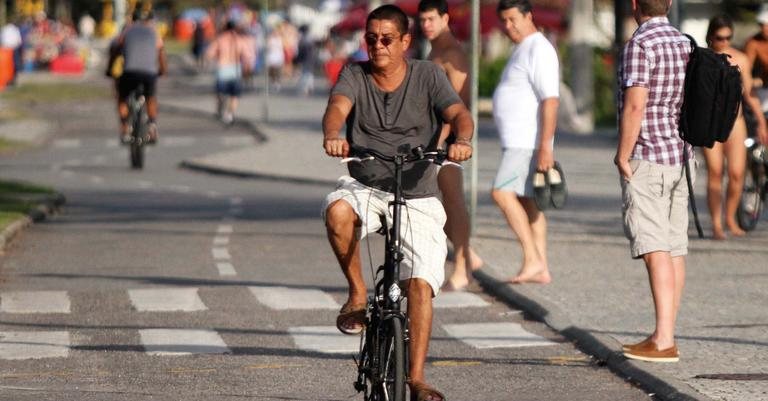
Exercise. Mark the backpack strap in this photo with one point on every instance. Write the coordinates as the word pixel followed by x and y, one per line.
pixel 690 191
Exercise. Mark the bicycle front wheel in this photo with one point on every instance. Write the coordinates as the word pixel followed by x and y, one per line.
pixel 750 205
pixel 392 354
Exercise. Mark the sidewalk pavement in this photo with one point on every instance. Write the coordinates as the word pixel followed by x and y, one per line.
pixel 599 297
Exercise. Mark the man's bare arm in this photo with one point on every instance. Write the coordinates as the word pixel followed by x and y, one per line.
pixel 456 68
pixel 548 123
pixel 461 120
pixel 635 99
pixel 334 118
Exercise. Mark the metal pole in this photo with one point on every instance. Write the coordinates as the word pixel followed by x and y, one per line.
pixel 265 104
pixel 475 74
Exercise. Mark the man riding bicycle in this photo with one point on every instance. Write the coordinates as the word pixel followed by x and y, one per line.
pixel 144 60
pixel 392 104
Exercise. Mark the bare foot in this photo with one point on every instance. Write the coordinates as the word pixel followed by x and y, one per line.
pixel 455 284
pixel 735 230
pixel 476 262
pixel 718 234
pixel 536 275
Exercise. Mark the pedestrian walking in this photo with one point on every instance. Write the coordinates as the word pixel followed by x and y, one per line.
pixel 232 54
pixel 448 53
pixel 756 49
pixel 390 103
pixel 525 106
pixel 732 153
pixel 10 38
pixel 306 58
pixel 650 161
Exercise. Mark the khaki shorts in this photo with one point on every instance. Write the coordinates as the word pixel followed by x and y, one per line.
pixel 422 221
pixel 655 208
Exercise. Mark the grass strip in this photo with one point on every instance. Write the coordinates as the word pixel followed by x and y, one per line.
pixel 54 92
pixel 18 198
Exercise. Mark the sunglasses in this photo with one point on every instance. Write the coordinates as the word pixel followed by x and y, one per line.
pixel 722 38
pixel 372 39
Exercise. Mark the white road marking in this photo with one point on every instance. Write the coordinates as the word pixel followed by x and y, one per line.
pixel 35 302
pixel 112 143
pixel 236 201
pixel 67 143
pixel 67 174
pixel 495 335
pixel 180 188
pixel 178 141
pixel 175 342
pixel 282 298
pixel 220 254
pixel 145 184
pixel 458 299
pixel 226 269
pixel 213 194
pixel 100 159
pixel 224 229
pixel 325 339
pixel 34 344
pixel 166 300
pixel 220 240
pixel 95 179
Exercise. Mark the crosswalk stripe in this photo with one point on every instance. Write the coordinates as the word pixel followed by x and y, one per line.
pixel 284 298
pixel 35 302
pixel 224 229
pixel 495 335
pixel 176 141
pixel 174 342
pixel 166 300
pixel 325 339
pixel 220 253
pixel 239 140
pixel 34 344
pixel 220 240
pixel 458 299
pixel 226 269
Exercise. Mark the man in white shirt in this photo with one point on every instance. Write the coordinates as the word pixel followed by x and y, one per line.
pixel 525 112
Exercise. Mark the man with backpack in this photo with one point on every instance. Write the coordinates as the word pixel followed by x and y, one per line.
pixel 650 159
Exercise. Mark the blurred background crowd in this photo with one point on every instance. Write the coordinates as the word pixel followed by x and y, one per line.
pixel 291 36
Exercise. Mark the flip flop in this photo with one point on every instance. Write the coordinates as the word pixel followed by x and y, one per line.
pixel 557 188
pixel 423 392
pixel 541 191
pixel 351 319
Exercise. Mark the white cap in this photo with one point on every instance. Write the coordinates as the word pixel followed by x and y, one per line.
pixel 762 16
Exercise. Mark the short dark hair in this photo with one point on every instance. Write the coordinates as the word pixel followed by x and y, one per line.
pixel 392 13
pixel 441 6
pixel 653 8
pixel 524 6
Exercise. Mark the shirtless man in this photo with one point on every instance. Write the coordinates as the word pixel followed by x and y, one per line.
pixel 756 49
pixel 449 55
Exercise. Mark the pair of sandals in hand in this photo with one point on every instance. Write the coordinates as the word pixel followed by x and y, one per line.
pixel 549 189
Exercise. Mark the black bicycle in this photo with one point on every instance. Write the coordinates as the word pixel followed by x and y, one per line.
pixel 383 359
pixel 138 123
pixel 755 186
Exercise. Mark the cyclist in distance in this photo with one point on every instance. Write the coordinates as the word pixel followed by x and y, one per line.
pixel 142 50
pixel 391 104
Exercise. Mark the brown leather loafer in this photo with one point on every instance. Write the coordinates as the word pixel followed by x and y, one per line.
pixel 649 352
pixel 630 347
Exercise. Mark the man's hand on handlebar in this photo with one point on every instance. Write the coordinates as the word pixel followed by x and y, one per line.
pixel 336 147
pixel 459 152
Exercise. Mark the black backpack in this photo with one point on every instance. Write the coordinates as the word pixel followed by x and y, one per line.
pixel 711 99
pixel 711 102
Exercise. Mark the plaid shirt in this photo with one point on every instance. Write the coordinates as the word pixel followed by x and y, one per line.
pixel 655 58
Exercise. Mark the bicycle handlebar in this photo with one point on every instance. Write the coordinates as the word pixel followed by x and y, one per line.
pixel 362 154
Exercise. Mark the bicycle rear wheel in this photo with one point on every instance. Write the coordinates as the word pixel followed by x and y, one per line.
pixel 750 205
pixel 391 384
pixel 138 134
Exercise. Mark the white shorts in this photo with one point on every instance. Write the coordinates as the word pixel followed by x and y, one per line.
pixel 422 221
pixel 516 171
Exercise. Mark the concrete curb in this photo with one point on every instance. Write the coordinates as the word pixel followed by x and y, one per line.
pixel 603 347
pixel 212 169
pixel 38 213
pixel 189 112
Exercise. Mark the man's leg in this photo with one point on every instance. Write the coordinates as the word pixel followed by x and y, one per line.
pixel 420 326
pixel 663 273
pixel 341 222
pixel 539 229
pixel 457 227
pixel 533 268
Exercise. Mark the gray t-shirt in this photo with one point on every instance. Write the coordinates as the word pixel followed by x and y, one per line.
pixel 140 44
pixel 389 122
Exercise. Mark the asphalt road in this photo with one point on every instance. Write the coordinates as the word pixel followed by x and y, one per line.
pixel 168 284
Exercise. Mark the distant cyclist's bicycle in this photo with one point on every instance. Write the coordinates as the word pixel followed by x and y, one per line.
pixel 138 122
pixel 383 359
pixel 755 185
